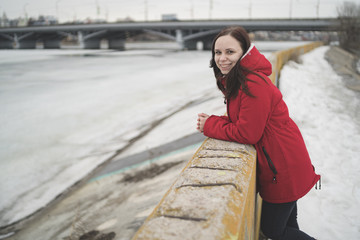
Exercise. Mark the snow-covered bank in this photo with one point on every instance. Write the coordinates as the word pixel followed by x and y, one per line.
pixel 328 115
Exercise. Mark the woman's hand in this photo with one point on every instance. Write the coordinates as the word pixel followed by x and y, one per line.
pixel 202 117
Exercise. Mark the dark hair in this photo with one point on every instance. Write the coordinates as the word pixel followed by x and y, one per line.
pixel 236 78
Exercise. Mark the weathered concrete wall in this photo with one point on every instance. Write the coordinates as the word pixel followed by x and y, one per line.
pixel 213 198
pixel 345 64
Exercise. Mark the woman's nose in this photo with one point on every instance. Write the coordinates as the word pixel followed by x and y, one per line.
pixel 222 57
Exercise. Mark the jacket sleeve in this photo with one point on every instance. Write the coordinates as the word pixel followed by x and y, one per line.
pixel 251 120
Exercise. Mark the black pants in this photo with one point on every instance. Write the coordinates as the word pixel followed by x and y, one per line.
pixel 279 221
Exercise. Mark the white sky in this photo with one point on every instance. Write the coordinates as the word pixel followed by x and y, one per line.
pixel 112 10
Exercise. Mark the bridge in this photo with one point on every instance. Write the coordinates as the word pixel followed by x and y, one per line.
pixel 186 33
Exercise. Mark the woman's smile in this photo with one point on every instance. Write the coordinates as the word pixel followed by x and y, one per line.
pixel 225 67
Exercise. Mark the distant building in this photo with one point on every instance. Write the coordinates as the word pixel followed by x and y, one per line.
pixel 127 19
pixel 22 22
pixel 169 17
pixel 42 20
pixel 4 21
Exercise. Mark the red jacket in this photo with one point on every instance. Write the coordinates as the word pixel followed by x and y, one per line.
pixel 284 171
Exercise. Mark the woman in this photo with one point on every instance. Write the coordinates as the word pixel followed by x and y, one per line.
pixel 257 114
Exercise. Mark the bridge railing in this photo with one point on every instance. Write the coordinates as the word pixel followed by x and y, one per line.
pixel 214 197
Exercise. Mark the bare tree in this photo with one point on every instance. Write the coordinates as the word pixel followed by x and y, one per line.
pixel 349 19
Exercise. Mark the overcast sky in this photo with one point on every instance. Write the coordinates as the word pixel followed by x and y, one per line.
pixel 140 10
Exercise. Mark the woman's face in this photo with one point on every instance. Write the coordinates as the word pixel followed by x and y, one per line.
pixel 227 52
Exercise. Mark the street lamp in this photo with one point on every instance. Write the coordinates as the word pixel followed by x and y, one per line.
pixel 250 9
pixel 25 12
pixel 146 10
pixel 317 8
pixel 57 10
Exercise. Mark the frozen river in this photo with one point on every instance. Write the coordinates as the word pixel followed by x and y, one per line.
pixel 65 112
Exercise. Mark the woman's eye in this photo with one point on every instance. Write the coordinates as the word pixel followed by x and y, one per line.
pixel 230 51
pixel 217 52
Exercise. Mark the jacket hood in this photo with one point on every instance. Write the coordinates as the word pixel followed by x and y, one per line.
pixel 255 61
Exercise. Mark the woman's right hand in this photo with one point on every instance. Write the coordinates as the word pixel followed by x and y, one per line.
pixel 202 117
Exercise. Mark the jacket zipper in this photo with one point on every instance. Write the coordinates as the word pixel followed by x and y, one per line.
pixel 271 165
pixel 316 186
pixel 227 102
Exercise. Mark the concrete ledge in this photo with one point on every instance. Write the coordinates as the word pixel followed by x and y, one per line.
pixel 213 197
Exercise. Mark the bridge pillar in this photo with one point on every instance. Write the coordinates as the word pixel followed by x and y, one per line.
pixel 52 43
pixel 93 43
pixel 207 44
pixel 26 44
pixel 193 44
pixel 25 41
pixel 91 40
pixel 179 38
pixel 6 44
pixel 117 43
pixel 90 43
pixel 190 45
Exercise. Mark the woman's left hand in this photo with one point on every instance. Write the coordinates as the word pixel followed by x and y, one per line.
pixel 202 117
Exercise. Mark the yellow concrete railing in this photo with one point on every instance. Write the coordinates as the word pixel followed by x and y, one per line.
pixel 281 57
pixel 214 197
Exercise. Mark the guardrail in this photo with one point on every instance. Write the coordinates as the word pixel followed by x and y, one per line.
pixel 281 57
pixel 214 197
